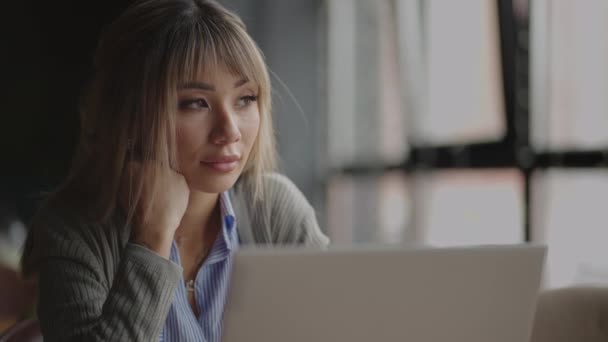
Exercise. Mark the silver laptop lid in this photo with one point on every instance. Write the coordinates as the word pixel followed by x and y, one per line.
pixel 475 294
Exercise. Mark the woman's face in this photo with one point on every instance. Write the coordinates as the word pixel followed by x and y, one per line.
pixel 217 124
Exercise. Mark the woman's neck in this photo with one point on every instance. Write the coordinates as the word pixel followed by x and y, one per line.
pixel 198 220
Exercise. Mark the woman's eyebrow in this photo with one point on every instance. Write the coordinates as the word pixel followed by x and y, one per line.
pixel 209 87
pixel 241 82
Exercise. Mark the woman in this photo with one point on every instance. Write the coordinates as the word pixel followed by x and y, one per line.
pixel 172 175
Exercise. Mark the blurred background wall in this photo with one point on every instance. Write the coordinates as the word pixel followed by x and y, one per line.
pixel 403 121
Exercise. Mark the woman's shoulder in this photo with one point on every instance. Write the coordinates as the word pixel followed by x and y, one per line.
pixel 279 191
pixel 282 216
pixel 279 197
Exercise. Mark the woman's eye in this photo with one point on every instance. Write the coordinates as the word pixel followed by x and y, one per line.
pixel 246 101
pixel 193 104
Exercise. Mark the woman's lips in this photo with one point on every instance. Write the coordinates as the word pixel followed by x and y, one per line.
pixel 222 164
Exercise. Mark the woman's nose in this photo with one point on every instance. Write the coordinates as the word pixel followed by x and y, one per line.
pixel 225 130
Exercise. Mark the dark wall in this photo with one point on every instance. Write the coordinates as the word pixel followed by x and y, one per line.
pixel 47 56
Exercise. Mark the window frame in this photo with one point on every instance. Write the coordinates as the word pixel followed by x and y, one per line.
pixel 514 150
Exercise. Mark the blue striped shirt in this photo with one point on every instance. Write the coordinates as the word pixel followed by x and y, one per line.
pixel 210 288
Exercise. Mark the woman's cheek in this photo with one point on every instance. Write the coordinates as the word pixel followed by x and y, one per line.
pixel 250 129
pixel 188 138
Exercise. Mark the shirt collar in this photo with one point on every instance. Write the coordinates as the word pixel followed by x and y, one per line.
pixel 229 233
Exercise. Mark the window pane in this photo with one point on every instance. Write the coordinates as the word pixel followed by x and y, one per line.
pixel 570 217
pixel 569 74
pixel 341 80
pixel 369 209
pixel 393 143
pixel 380 68
pixel 470 207
pixel 465 99
pixel 366 118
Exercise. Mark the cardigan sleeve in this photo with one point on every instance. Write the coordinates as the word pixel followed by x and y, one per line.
pixel 78 302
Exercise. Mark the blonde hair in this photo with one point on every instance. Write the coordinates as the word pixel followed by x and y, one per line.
pixel 129 108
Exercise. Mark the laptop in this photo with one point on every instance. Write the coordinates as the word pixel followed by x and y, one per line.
pixel 363 294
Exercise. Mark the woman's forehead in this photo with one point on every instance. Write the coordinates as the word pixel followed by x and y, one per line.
pixel 218 74
pixel 212 84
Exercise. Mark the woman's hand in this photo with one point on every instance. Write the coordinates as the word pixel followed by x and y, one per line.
pixel 154 223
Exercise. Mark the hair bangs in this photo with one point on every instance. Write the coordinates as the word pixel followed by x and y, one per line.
pixel 211 46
